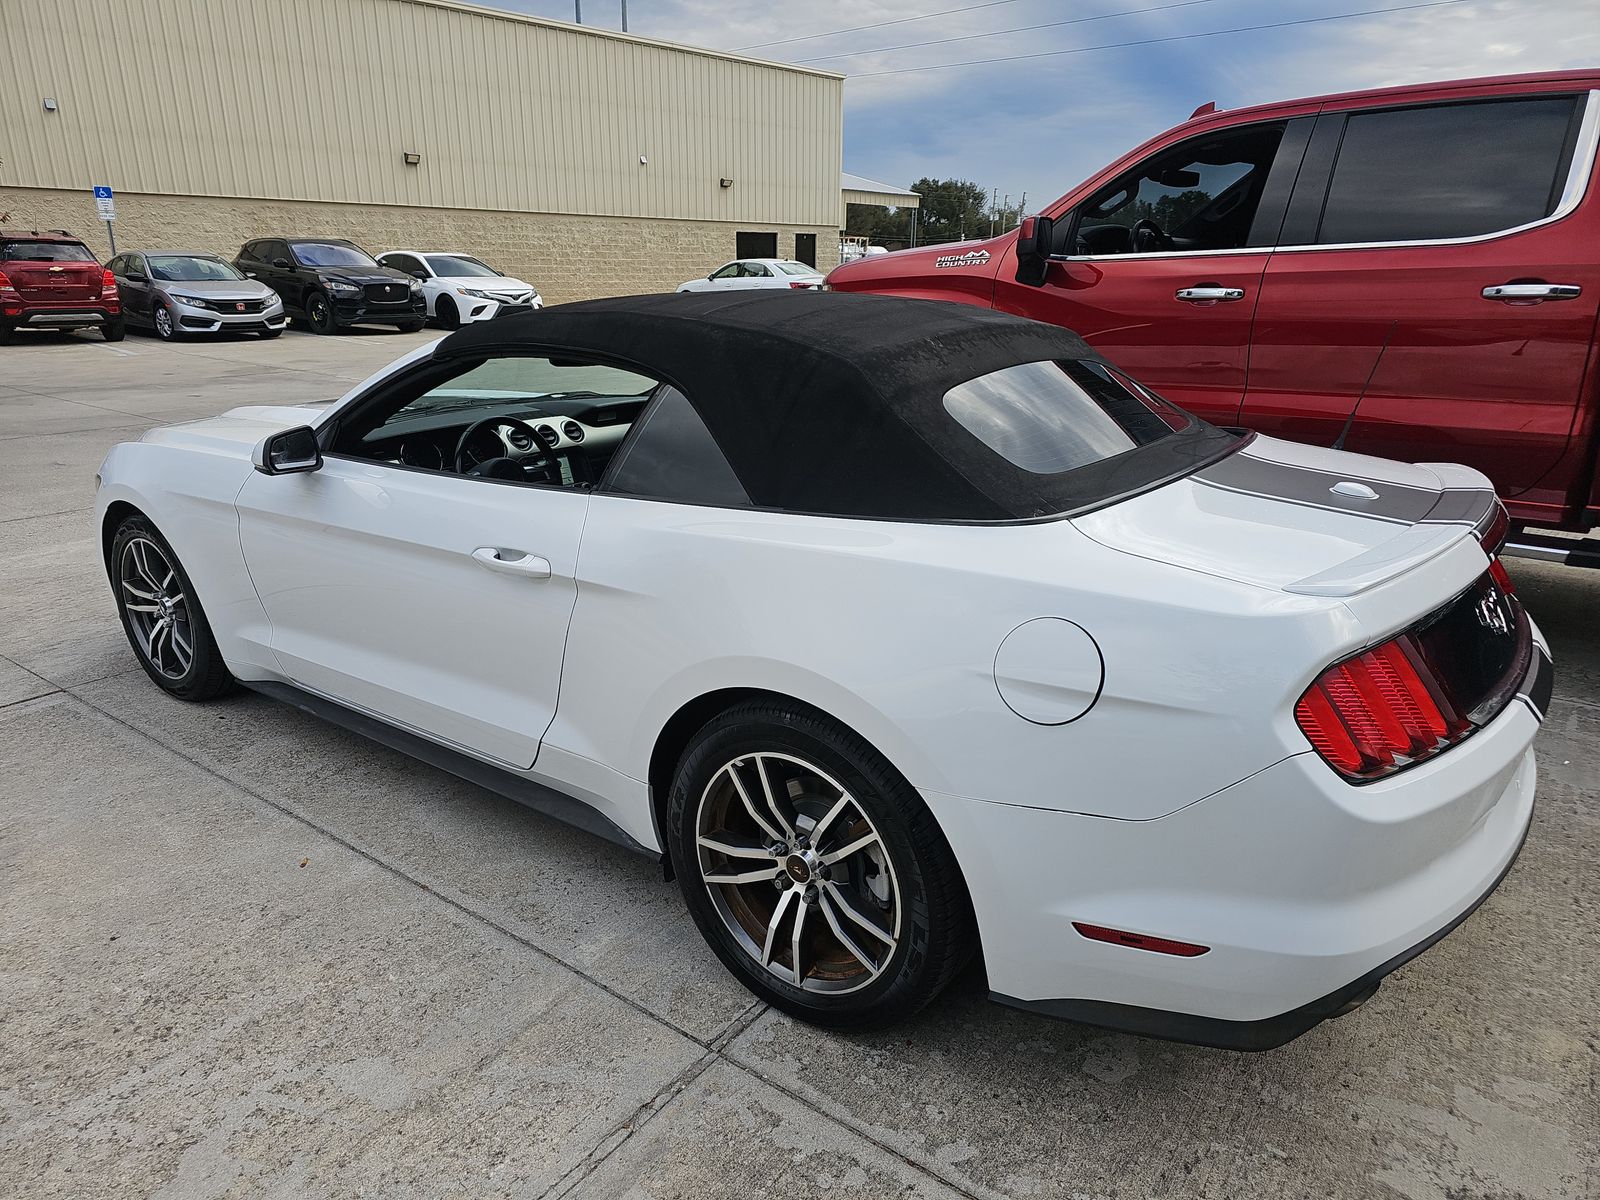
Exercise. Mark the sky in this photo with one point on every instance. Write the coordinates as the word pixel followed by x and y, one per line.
pixel 1040 125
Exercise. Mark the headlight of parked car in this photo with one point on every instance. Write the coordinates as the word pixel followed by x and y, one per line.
pixel 191 301
pixel 474 292
pixel 340 288
pixel 416 287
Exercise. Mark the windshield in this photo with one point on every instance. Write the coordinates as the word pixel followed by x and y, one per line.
pixel 795 268
pixel 489 385
pixel 458 265
pixel 46 252
pixel 331 254
pixel 191 268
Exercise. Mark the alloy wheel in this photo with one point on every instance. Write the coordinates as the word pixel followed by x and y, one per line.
pixel 798 873
pixel 163 321
pixel 158 610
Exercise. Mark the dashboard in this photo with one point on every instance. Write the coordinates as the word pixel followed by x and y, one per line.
pixel 427 440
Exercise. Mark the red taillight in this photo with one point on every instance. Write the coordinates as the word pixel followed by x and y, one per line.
pixel 5 284
pixel 108 283
pixel 801 287
pixel 1139 941
pixel 1493 539
pixel 1377 712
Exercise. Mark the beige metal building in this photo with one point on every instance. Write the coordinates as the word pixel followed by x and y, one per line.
pixel 587 162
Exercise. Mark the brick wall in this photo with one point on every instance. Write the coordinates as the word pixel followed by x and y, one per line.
pixel 565 257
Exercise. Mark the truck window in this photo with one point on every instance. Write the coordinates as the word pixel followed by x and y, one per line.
pixel 1199 195
pixel 1458 170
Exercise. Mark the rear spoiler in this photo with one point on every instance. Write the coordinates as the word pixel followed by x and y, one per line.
pixel 1459 513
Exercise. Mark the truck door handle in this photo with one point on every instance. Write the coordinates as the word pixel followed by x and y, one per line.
pixel 530 566
pixel 1209 294
pixel 1532 293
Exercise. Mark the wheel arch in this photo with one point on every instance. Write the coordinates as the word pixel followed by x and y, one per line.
pixel 116 513
pixel 694 714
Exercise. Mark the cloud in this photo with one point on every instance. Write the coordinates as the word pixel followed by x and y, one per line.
pixel 1042 125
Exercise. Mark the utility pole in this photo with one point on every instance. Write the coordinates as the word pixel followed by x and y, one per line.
pixel 994 194
pixel 1022 208
pixel 624 16
pixel 577 11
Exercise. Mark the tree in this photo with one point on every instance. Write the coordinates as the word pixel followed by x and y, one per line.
pixel 952 209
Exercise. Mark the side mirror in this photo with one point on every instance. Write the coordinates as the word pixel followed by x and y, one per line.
pixel 137 277
pixel 289 452
pixel 1035 240
pixel 281 263
pixel 422 275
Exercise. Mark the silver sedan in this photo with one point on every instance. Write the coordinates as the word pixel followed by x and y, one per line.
pixel 176 292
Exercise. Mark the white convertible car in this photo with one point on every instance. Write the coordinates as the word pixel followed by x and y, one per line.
pixel 897 630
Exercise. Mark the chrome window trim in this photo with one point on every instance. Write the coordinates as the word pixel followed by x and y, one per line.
pixel 1572 194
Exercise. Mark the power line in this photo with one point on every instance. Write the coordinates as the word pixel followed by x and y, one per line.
pixel 810 37
pixel 1181 37
pixel 1131 12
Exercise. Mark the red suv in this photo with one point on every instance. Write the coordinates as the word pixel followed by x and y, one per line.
pixel 51 280
pixel 1432 252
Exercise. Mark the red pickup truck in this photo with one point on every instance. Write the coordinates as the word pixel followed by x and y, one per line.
pixel 1415 271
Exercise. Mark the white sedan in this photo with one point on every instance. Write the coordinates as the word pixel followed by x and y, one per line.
pixel 745 274
pixel 460 289
pixel 897 630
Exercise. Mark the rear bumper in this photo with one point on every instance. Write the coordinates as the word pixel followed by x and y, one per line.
pixel 1267 1033
pixel 1305 890
pixel 60 317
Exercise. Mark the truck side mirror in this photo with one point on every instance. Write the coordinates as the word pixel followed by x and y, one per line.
pixel 289 452
pixel 1035 240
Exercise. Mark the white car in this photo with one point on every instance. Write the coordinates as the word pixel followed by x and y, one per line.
pixel 461 289
pixel 744 274
pixel 897 629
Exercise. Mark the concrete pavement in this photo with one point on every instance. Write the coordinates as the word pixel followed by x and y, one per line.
pixel 245 953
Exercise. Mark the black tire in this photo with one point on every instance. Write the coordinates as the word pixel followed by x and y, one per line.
pixel 165 323
pixel 8 334
pixel 928 907
pixel 114 331
pixel 319 314
pixel 446 314
pixel 412 326
pixel 206 676
pixel 271 333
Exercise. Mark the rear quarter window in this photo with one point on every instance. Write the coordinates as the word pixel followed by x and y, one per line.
pixel 1052 417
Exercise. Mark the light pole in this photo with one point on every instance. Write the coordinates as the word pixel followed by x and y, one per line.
pixel 577 11
pixel 624 16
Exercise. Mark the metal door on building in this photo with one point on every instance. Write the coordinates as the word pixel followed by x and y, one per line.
pixel 805 248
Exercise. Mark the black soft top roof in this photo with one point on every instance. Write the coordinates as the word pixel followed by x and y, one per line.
pixel 831 402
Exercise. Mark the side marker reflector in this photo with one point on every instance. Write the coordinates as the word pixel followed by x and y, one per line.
pixel 1139 941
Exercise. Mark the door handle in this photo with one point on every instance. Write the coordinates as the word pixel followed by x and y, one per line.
pixel 530 566
pixel 1209 294
pixel 1532 293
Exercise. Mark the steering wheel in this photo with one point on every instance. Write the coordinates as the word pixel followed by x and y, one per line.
pixel 1147 236
pixel 467 463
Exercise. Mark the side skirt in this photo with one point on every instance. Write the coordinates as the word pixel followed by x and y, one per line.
pixel 537 796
